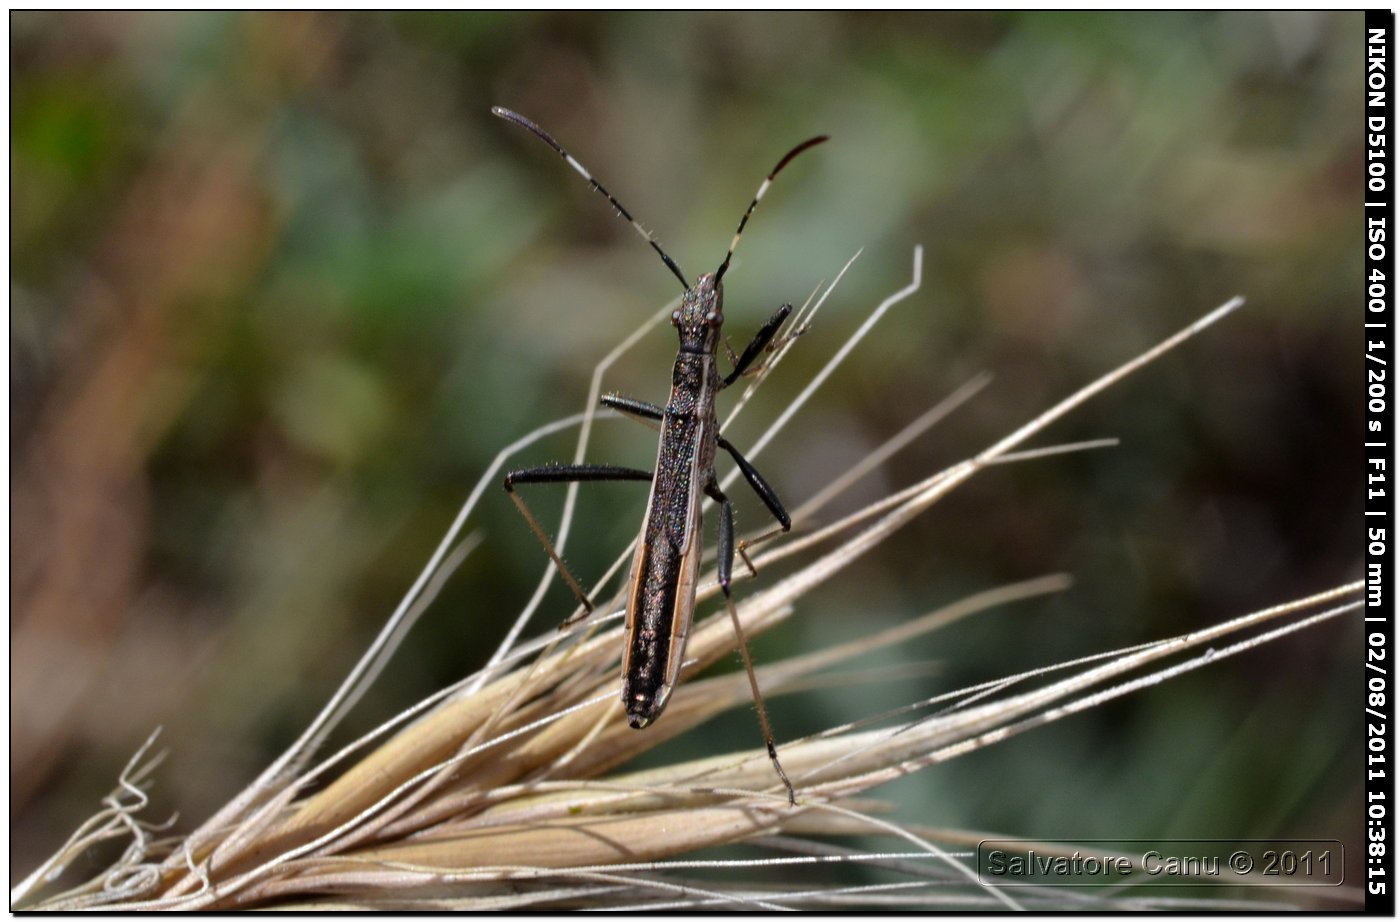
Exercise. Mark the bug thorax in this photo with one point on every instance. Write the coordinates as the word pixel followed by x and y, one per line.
pixel 700 316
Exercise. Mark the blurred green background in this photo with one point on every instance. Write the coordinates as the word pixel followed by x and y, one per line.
pixel 281 288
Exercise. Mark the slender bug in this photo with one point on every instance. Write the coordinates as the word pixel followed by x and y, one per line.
pixel 666 563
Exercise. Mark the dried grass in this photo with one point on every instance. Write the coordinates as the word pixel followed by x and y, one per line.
pixel 502 792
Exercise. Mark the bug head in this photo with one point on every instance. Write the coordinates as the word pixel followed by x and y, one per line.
pixel 701 314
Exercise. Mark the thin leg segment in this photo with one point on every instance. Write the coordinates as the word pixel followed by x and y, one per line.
pixel 565 473
pixel 761 339
pixel 726 568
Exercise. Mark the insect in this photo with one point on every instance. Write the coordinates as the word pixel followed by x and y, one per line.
pixel 665 566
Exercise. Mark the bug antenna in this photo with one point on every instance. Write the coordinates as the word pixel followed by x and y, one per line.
pixel 810 142
pixel 543 135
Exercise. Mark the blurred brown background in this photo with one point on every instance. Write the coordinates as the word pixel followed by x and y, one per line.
pixel 281 288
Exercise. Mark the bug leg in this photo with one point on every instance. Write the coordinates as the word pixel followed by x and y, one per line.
pixel 765 493
pixel 565 473
pixel 726 568
pixel 745 546
pixel 729 351
pixel 638 409
pixel 760 486
pixel 761 339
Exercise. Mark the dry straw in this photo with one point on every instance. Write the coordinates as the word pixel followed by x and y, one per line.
pixel 502 793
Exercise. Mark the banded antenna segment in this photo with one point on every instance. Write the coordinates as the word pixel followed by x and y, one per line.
pixel 543 135
pixel 762 190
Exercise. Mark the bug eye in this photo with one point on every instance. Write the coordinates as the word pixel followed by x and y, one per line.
pixel 676 317
pixel 712 318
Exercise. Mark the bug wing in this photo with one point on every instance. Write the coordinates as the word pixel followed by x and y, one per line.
pixel 683 610
pixel 661 596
